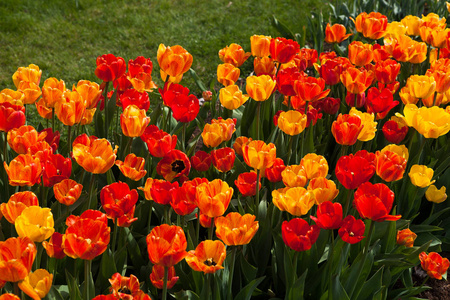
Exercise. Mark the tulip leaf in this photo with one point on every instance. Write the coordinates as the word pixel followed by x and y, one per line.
pixel 371 286
pixel 186 295
pixel 282 29
pixel 436 215
pixel 248 270
pixel 58 292
pixel 297 290
pixel 107 268
pixel 72 283
pixel 197 80
pixel 133 249
pixel 337 290
pixel 247 291
pixel 424 228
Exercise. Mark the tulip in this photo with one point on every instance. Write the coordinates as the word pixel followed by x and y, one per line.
pixel 299 235
pixel 223 159
pixel 67 191
pixel 273 174
pixel 13 97
pixel 374 202
pixel 297 200
pixel 16 258
pixel 158 142
pixel 431 122
pixel 391 162
pixel 372 25
pixel 117 199
pixel 134 97
pixel 157 277
pixel 421 86
pixel 23 170
pixel 246 183
pixel 329 215
pixel 90 214
pixel 314 165
pixel 166 245
pixel 30 90
pixel 380 102
pixel 239 143
pixel 259 155
pixel 346 129
pixel 16 204
pixel 421 175
pixel 36 223
pixel 231 97
pixel 292 122
pixel 352 230
pixel 264 66
pixel 213 197
pixel 233 54
pixel 20 139
pixel 133 121
pixel 132 167
pixel 125 287
pixel 355 80
pixel 173 61
pixel 160 190
pixel 56 168
pixel 406 237
pixel 335 33
pixel 37 284
pixel 183 198
pixel 311 88
pixel 227 74
pixel 354 170
pixel 172 91
pixel 32 73
pixel 323 189
pixel 234 229
pixel 54 246
pixel 185 108
pixel 260 88
pixel 434 264
pixel 434 195
pixel 93 154
pixel 294 176
pixel 283 50
pixel 110 67
pixel 208 257
pixel 11 116
pixel 412 24
pixel 395 130
pixel 201 161
pixel 286 79
pixel 174 164
pixel 386 71
pixel 360 54
pixel 260 45
pixel 369 127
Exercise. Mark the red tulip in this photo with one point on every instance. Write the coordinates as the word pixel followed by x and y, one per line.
pixel 56 169
pixel 285 80
pixel 283 50
pixel 201 161
pixel 246 183
pixel 273 174
pixel 434 264
pixel 133 97
pixel 166 245
pixel 183 201
pixel 329 215
pixel 299 235
pixel 117 199
pixel 352 230
pixel 110 67
pixel 223 159
pixel 159 143
pixel 161 191
pixel 11 116
pixel 380 102
pixel 174 164
pixel 353 170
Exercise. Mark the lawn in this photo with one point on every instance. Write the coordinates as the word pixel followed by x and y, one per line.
pixel 64 37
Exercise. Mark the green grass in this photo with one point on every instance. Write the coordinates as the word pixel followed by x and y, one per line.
pixel 64 37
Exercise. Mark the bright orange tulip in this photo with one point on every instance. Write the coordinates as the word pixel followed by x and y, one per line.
pixel 208 257
pixel 173 61
pixel 37 284
pixel 93 154
pixel 16 258
pixel 52 91
pixel 335 33
pixel 372 26
pixel 13 97
pixel 22 138
pixel 310 88
pixel 23 170
pixel 89 91
pixel 231 97
pixel 166 245
pixel 292 122
pixel 264 66
pixel 314 165
pixel 260 88
pixel 133 121
pixel 30 90
pixel 259 155
pixel 16 204
pixel 67 191
pixel 294 176
pixel 235 229
pixel 391 162
pixel 323 189
pixel 31 74
pixel 346 129
pixel 234 54
pixel 132 167
pixel 157 277
pixel 357 81
pixel 70 109
pixel 227 74
pixel 412 24
pixel 296 200
pixel 260 45
pixel 213 197
pixel 406 237
pixel 360 54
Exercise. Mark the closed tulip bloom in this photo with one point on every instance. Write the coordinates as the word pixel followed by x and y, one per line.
pixel 246 183
pixel 133 121
pixel 67 191
pixel 357 81
pixel 174 61
pixel 292 122
pixel 395 29
pixel 273 174
pixel 386 71
pixel 157 277
pixel 16 204
pixel 314 165
pixel 346 129
pixel 294 176
pixel 335 33
pixel 93 154
pixel 436 195
pixel 31 92
pixel 223 159
pixel 434 264
pixel 16 258
pixel 421 175
pixel 406 96
pixel 110 67
pixel 208 257
pixel 231 97
pixel 91 214
pixel 421 86
pixel 395 130
pixel 54 246
pixel 86 239
pixel 380 102
pixel 360 54
pixel 391 162
pixel 166 245
pixel 11 116
pixel 323 189
pixel 52 91
pixel 298 235
pixel 264 66
pixel 239 143
pixel 201 161
pixel 406 237
pixel 369 126
pixel 227 127
pixel 372 25
pixel 227 74
pixel 297 200
pixel 20 139
pixel 35 223
pixel 142 82
pixel 214 197
pixel 89 91
pixel 234 54
pixel 259 155
pixel 213 135
pixel 158 142
pixel 352 230
pixel 260 88
pixel 12 97
pixel 353 170
pixel 311 88
pixel 161 190
pixel 412 24
pixel 185 108
pixel 283 50
pixel 183 199
pixel 132 96
pixel 374 202
pixel 286 79
pixel 234 229
pixel 260 45
pixel 132 167
pixel 329 215
pixel 23 170
pixel 173 165
pixel 43 110
pixel 32 74
pixel 37 284
pixel 117 199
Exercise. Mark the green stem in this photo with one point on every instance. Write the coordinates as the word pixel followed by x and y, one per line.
pixel 150 216
pixel 53 119
pixel 69 139
pixel 166 275
pixel 258 176
pixel 16 289
pixel 208 285
pixel 183 138
pixel 197 233
pixel 347 202
pixel 87 275
pixel 166 214
pixel 114 239
pixel 258 117
pixel 105 95
pixel 91 191
pixel 330 262
pixel 291 139
pixel 231 271
pixel 211 230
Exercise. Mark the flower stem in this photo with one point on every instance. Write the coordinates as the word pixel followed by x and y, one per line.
pixel 211 230
pixel 231 271
pixel 183 138
pixel 114 239
pixel 91 191
pixel 87 275
pixel 150 216
pixel 258 117
pixel 166 275
pixel 258 175
pixel 105 95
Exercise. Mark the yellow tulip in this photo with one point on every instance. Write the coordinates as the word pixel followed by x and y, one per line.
pixel 297 200
pixel 434 195
pixel 260 88
pixel 369 125
pixel 292 122
pixel 231 97
pixel 37 284
pixel 421 175
pixel 35 223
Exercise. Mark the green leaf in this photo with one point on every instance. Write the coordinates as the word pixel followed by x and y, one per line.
pixel 186 295
pixel 371 286
pixel 337 290
pixel 133 249
pixel 58 292
pixel 246 292
pixel 197 80
pixel 283 29
pixel 72 283
pixel 297 290
pixel 107 269
pixel 248 270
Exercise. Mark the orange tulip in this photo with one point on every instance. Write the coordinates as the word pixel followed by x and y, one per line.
pixel 13 97
pixel 9 296
pixel 346 129
pixel 360 54
pixel 292 122
pixel 406 237
pixel 52 91
pixel 166 245
pixel 357 81
pixel 67 191
pixel 264 66
pixel 310 88
pixel 235 229
pixel 208 257
pixel 16 204
pixel 133 121
pixel 43 110
pixel 93 154
pixel 16 258
pixel 296 200
pixel 213 197
pixel 227 74
pixel 314 165
pixel 173 61
pixel 391 162
pixel 218 131
pixel 132 167
pixel 260 88
pixel 70 109
pixel 157 277
pixel 89 91
pixel 37 284
pixel 259 155
pixel 239 143
pixel 31 74
pixel 323 189
pixel 294 176
pixel 234 54
pixel 421 86
pixel 335 33
pixel 412 24
pixel 372 26
pixel 231 97
pixel 23 170
pixel 20 139
pixel 30 90
pixel 260 45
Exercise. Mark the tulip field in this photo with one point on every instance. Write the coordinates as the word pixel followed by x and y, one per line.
pixel 318 175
